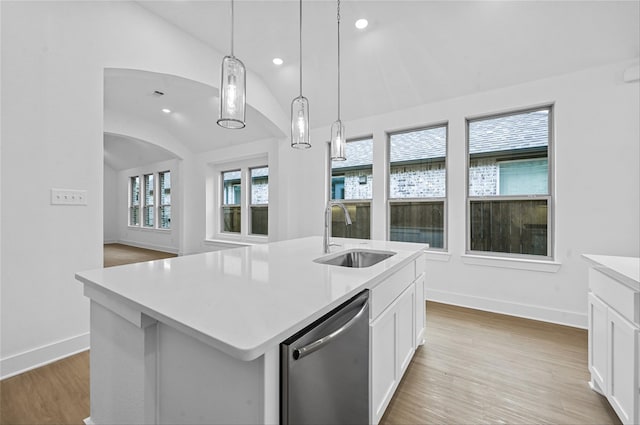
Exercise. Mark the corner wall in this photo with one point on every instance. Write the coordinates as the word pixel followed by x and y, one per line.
pixel 53 59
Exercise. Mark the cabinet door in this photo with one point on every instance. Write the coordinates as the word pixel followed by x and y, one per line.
pixel 420 311
pixel 383 362
pixel 405 330
pixel 598 343
pixel 622 384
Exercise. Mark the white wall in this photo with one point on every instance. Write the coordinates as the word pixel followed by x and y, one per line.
pixel 53 58
pixel 111 208
pixel 596 191
pixel 161 240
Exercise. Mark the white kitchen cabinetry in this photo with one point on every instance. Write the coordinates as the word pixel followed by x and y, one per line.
pixel 420 302
pixel 614 340
pixel 396 329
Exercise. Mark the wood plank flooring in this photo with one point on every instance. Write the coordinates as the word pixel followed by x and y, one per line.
pixel 57 393
pixel 116 254
pixel 484 368
pixel 476 368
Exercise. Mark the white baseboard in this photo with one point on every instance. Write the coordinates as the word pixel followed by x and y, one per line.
pixel 527 311
pixel 41 356
pixel 161 248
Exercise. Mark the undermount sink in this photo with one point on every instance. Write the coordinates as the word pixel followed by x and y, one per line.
pixel 355 258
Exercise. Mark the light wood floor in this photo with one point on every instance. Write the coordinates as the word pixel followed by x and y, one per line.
pixel 485 368
pixel 116 254
pixel 475 368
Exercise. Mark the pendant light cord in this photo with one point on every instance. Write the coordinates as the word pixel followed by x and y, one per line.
pixel 232 29
pixel 300 48
pixel 338 18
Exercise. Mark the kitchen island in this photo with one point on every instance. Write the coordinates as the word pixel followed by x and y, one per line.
pixel 195 339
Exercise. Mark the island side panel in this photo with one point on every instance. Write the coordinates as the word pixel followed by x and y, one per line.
pixel 122 359
pixel 199 384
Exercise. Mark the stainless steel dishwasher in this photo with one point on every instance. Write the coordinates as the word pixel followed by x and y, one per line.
pixel 324 368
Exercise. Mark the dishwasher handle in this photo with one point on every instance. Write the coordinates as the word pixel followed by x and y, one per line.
pixel 299 353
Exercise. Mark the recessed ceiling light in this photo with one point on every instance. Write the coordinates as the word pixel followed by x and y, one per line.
pixel 361 23
pixel 277 61
pixel 166 110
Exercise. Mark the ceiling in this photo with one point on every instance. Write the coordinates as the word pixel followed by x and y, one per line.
pixel 412 53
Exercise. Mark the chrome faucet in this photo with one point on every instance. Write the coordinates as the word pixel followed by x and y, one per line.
pixel 326 243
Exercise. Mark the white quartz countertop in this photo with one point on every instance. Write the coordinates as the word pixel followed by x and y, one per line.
pixel 623 269
pixel 246 300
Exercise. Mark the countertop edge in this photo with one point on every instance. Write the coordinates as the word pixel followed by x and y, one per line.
pixel 596 261
pixel 248 353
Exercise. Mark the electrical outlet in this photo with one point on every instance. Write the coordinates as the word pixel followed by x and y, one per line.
pixel 68 197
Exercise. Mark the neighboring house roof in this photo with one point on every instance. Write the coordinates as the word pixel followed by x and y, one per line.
pixel 429 143
pixel 511 132
pixel 359 154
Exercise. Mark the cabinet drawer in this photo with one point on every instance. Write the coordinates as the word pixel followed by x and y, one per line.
pixel 387 291
pixel 617 295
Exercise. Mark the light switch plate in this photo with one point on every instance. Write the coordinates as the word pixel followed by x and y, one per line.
pixel 68 197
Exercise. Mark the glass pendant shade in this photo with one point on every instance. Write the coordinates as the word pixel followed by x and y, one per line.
pixel 338 142
pixel 300 123
pixel 232 93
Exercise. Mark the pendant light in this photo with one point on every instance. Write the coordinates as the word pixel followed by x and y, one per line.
pixel 232 89
pixel 338 140
pixel 300 110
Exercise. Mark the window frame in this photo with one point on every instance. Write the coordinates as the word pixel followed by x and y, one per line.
pixel 142 203
pixel 444 200
pixel 131 203
pixel 145 205
pixel 222 204
pixel 348 202
pixel 251 205
pixel 549 197
pixel 160 205
pixel 215 200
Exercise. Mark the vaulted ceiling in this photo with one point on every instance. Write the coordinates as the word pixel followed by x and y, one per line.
pixel 412 52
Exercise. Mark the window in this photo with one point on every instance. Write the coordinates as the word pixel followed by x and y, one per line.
pixel 418 186
pixel 352 184
pixel 164 207
pixel 259 206
pixel 148 215
pixel 231 198
pixel 509 184
pixel 144 198
pixel 241 200
pixel 134 201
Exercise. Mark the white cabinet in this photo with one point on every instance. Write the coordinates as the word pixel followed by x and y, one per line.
pixel 614 344
pixel 597 342
pixel 420 310
pixel 383 362
pixel 396 326
pixel 622 385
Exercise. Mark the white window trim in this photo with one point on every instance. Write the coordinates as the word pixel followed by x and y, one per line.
pixel 352 201
pixel 159 199
pixel 214 234
pixel 142 203
pixel 503 259
pixel 445 238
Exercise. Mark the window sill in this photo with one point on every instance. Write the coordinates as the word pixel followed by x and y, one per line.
pixel 235 242
pixel 148 229
pixel 512 263
pixel 437 256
